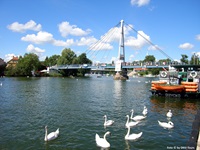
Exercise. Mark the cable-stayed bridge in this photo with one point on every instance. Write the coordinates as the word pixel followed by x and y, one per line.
pixel 103 67
pixel 120 63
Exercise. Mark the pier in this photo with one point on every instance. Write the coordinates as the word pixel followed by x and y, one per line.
pixel 194 141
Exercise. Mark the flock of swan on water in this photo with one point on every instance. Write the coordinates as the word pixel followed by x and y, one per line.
pixel 103 143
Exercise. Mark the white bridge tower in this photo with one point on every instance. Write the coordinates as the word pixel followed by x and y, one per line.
pixel 121 72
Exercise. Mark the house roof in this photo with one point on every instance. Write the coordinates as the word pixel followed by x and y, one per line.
pixel 140 69
pixel 14 59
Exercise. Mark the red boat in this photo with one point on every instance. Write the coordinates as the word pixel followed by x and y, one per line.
pixel 167 87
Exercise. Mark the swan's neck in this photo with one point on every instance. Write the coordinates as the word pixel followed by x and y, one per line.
pixel 45 138
pixel 131 114
pixel 105 136
pixel 127 120
pixel 128 132
pixel 105 119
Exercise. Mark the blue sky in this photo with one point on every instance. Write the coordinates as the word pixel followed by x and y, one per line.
pixel 46 27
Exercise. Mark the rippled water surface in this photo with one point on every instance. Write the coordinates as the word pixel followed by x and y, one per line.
pixel 77 107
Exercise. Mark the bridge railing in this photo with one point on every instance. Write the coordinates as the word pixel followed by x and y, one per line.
pixel 72 66
pixel 99 67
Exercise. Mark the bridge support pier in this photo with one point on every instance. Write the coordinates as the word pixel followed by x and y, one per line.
pixel 122 76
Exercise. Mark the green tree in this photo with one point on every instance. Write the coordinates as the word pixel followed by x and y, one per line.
pixel 164 61
pixel 184 59
pixel 2 67
pixel 67 57
pixel 194 60
pixel 51 61
pixel 149 59
pixel 10 71
pixel 82 59
pixel 30 62
pixel 155 71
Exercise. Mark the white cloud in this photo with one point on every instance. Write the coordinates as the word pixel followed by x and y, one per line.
pixel 31 25
pixel 198 37
pixel 44 37
pixel 66 29
pixel 114 34
pixel 186 46
pixel 40 38
pixel 140 3
pixel 105 41
pixel 86 41
pixel 66 43
pixel 36 50
pixel 131 57
pixel 138 42
pixel 198 54
pixel 113 59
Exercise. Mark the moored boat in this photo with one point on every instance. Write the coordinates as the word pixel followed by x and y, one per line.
pixel 176 83
pixel 167 87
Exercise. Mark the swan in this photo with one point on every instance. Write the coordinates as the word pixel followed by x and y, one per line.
pixel 167 125
pixel 138 117
pixel 169 114
pixel 132 136
pixel 107 122
pixel 130 124
pixel 51 135
pixel 102 142
pixel 145 111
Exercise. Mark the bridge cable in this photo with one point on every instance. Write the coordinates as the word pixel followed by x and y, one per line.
pixel 151 43
pixel 98 45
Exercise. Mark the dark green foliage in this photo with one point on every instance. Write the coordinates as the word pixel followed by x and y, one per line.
pixel 2 67
pixel 25 67
pixel 51 61
pixel 184 59
pixel 67 57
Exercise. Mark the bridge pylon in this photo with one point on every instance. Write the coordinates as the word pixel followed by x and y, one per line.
pixel 121 73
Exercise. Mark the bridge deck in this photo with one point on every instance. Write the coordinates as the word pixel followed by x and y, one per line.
pixel 60 67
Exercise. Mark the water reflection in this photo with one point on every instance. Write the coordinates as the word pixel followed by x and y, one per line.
pixel 177 105
pixel 79 108
pixel 118 89
pixel 127 145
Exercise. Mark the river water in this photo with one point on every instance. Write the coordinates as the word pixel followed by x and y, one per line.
pixel 77 106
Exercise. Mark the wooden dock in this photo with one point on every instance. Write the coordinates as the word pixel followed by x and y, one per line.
pixel 194 141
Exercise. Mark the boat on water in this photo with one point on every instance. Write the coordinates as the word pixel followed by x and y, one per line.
pixel 178 81
pixel 167 87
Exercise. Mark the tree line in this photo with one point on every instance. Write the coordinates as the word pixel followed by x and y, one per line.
pixel 30 64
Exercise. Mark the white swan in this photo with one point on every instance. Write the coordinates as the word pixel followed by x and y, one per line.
pixel 167 125
pixel 138 117
pixel 132 136
pixel 51 135
pixel 145 111
pixel 102 142
pixel 107 122
pixel 131 123
pixel 169 114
